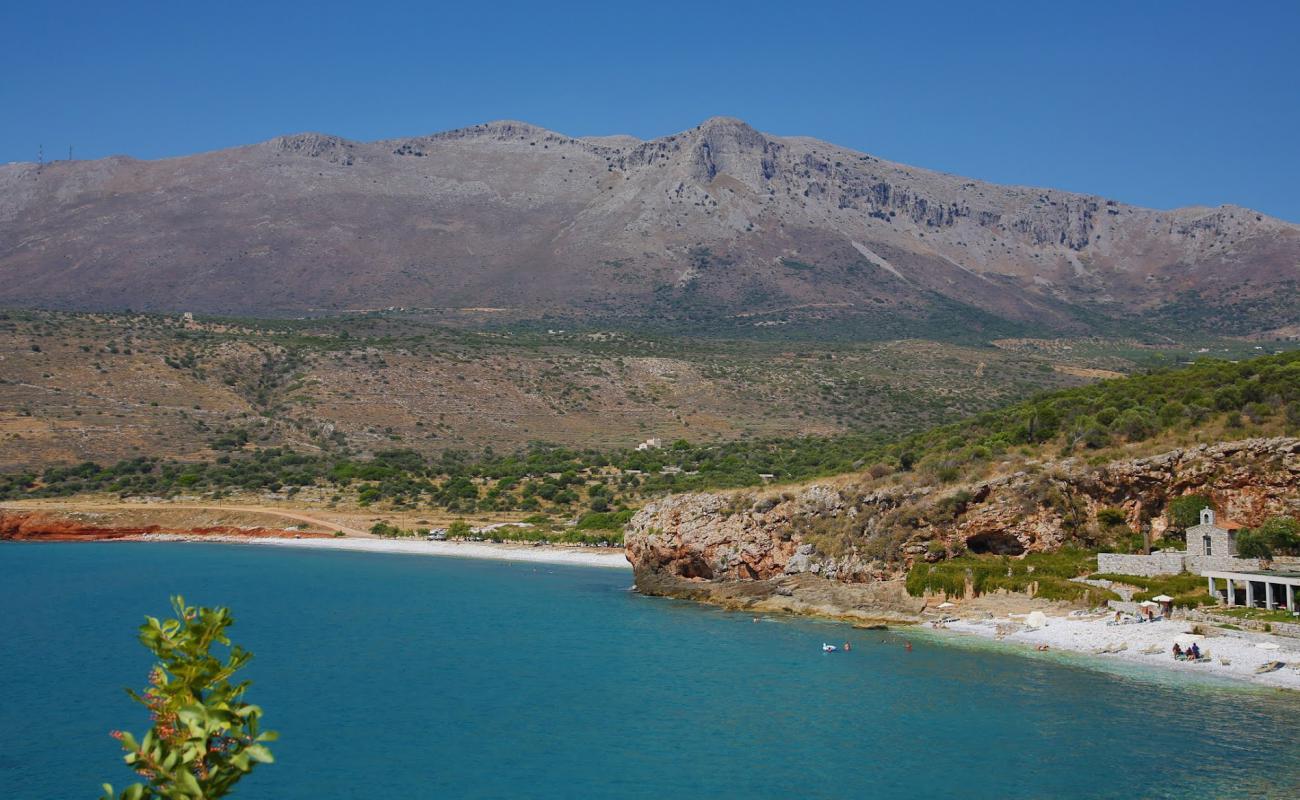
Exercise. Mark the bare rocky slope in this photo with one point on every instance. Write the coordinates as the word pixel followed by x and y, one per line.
pixel 720 226
pixel 845 548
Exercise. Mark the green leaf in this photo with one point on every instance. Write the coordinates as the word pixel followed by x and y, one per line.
pixel 189 783
pixel 259 753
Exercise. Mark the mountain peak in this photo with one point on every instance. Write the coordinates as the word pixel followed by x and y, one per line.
pixel 724 122
pixel 500 129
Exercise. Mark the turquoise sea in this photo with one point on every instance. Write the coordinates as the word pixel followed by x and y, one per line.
pixel 402 677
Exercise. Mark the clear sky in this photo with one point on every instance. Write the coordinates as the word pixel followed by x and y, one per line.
pixel 1151 102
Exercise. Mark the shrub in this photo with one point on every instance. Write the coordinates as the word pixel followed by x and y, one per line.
pixel 1185 512
pixel 1280 534
pixel 1184 583
pixel 1051 571
pixel 1252 545
pixel 204 738
pixel 1111 517
pixel 389 531
pixel 606 520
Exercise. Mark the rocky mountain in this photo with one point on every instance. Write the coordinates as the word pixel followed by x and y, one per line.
pixel 846 545
pixel 720 226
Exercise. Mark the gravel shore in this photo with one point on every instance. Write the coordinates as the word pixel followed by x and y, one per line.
pixel 611 557
pixel 1243 651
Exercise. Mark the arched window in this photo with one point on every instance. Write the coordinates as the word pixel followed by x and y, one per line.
pixel 1206 540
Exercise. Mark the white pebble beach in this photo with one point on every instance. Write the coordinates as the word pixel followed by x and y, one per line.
pixel 610 557
pixel 1089 634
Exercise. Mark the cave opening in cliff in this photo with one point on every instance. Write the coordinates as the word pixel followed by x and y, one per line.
pixel 694 567
pixel 995 543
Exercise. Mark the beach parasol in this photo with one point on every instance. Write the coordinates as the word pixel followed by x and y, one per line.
pixel 1162 598
pixel 1148 604
pixel 1036 619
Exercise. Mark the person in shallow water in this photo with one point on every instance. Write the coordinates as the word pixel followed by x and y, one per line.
pixel 847 647
pixel 909 647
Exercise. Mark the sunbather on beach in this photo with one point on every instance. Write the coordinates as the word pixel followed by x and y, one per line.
pixel 1178 651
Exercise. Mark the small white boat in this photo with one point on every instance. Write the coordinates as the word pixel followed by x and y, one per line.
pixel 828 648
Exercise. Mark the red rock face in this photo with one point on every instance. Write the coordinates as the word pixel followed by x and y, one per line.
pixel 714 537
pixel 47 527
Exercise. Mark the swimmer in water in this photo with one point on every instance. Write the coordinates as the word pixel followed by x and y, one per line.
pixel 909 647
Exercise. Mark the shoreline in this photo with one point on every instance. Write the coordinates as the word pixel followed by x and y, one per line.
pixel 608 558
pixel 1083 636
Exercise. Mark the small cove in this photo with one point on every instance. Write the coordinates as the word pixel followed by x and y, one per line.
pixel 389 676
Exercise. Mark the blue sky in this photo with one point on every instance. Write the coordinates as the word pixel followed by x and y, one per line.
pixel 1157 103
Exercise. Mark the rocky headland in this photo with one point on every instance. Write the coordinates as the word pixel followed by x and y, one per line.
pixel 843 549
pixel 68 526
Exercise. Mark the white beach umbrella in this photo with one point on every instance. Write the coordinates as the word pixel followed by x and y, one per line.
pixel 1162 598
pixel 1267 645
pixel 1148 604
pixel 1036 619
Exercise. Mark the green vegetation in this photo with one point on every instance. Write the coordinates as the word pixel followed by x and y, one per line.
pixel 1133 409
pixel 1277 536
pixel 1258 614
pixel 854 384
pixel 1188 590
pixel 547 476
pixel 542 477
pixel 1051 572
pixel 606 521
pixel 1185 512
pixel 391 531
pixel 204 737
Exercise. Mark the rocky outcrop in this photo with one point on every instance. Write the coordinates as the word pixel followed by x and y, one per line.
pixel 738 548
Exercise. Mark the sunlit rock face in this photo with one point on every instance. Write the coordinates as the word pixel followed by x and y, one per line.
pixel 859 533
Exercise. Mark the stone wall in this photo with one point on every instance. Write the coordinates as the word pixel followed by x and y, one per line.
pixel 1199 564
pixel 1277 628
pixel 1170 562
pixel 1161 563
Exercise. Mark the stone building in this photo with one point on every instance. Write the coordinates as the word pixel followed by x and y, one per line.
pixel 1210 545
pixel 1211 538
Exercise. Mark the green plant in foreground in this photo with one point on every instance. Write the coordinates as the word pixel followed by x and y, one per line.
pixel 204 737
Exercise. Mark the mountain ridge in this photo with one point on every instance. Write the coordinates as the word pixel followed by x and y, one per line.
pixel 718 225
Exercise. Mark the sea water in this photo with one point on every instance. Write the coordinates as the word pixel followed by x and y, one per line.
pixel 399 677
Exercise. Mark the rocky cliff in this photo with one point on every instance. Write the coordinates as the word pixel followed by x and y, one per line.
pixel 848 545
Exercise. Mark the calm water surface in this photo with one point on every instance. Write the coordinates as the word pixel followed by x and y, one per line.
pixel 401 677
